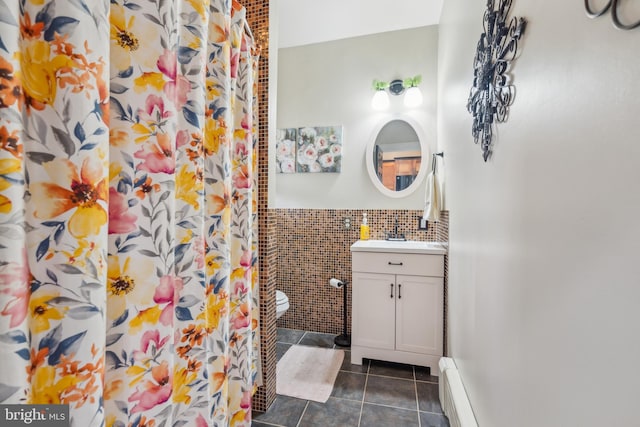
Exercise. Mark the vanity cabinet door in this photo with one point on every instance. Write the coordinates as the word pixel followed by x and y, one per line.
pixel 419 317
pixel 374 310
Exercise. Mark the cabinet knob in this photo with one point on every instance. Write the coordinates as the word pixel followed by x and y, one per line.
pixel 391 285
pixel 395 263
pixel 399 291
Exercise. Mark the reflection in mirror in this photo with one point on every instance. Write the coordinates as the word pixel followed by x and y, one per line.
pixel 397 155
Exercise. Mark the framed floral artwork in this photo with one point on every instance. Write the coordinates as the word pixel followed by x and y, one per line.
pixel 319 149
pixel 286 150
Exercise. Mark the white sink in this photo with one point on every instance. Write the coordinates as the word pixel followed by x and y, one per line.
pixel 409 246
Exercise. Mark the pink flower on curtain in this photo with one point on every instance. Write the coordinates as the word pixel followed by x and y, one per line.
pixel 245 402
pixel 157 157
pixel 242 177
pixel 182 138
pixel 177 87
pixel 240 288
pixel 235 61
pixel 246 122
pixel 148 338
pixel 168 292
pixel 201 422
pixel 153 113
pixel 120 219
pixel 241 317
pixel 17 307
pixel 13 278
pixel 246 259
pixel 199 248
pixel 241 149
pixel 155 392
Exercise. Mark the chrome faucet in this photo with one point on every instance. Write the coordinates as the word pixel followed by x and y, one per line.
pixel 396 235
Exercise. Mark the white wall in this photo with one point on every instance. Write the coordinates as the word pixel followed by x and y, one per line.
pixel 544 271
pixel 312 21
pixel 330 83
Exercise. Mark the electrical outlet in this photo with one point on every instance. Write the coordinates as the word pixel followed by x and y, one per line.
pixel 346 222
pixel 423 224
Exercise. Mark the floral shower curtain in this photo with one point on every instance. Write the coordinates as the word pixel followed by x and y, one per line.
pixel 128 229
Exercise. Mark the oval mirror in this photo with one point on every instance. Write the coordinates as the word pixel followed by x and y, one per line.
pixel 396 157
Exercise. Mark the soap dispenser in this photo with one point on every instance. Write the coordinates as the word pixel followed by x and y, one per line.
pixel 364 228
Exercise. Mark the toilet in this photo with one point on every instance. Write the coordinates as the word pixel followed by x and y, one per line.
pixel 282 303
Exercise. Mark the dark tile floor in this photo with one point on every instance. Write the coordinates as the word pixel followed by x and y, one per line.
pixel 375 394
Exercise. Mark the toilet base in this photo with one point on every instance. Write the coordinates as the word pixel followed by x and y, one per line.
pixel 343 340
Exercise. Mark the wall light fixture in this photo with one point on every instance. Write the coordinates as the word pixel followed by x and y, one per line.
pixel 412 97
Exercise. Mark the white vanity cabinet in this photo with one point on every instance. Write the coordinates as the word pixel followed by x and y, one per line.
pixel 397 310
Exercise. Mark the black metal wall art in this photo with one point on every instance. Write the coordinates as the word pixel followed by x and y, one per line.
pixel 492 94
pixel 612 5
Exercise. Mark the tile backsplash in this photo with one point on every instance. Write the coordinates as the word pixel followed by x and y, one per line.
pixel 258 18
pixel 313 246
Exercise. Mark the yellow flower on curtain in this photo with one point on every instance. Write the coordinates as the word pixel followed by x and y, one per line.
pixel 128 284
pixel 200 6
pixel 41 313
pixel 7 167
pixel 212 89
pixel 238 417
pixel 149 316
pixel 241 402
pixel 238 273
pixel 215 135
pixel 182 385
pixel 46 390
pixel 39 71
pixel 218 200
pixel 213 265
pixel 78 255
pixel 82 191
pixel 219 380
pixel 215 310
pixel 188 187
pixel 118 137
pixel 110 420
pixel 124 41
pixel 153 79
pixel 136 373
pixel 111 389
pixel 133 41
pixel 144 422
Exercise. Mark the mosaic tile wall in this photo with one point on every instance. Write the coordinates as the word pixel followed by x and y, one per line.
pixel 258 18
pixel 313 246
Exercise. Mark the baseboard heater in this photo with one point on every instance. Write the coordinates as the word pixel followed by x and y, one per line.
pixel 453 397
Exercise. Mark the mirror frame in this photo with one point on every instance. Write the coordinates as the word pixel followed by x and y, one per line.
pixel 424 164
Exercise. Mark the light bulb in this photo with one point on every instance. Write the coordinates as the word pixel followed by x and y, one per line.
pixel 380 100
pixel 413 97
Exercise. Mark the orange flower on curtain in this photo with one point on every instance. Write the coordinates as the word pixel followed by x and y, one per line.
pixel 128 284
